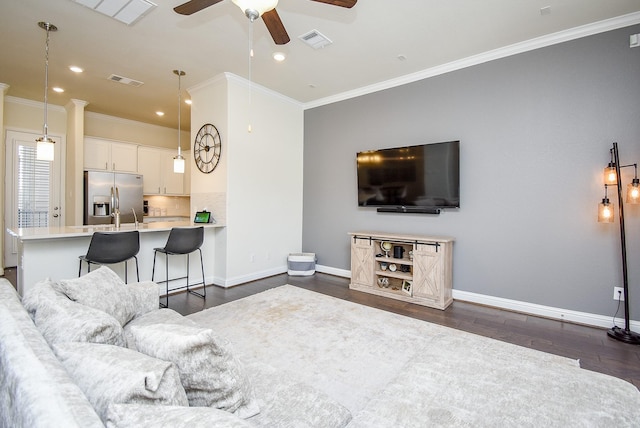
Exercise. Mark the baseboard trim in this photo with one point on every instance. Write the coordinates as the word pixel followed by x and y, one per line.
pixel 560 314
pixel 231 282
pixel 333 271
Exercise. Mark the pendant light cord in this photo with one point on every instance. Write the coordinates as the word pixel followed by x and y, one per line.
pixel 249 127
pixel 46 83
pixel 179 105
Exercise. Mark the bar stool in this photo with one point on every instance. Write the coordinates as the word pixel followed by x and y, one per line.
pixel 112 247
pixel 182 240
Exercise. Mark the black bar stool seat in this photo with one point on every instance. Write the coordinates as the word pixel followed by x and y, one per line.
pixel 108 248
pixel 181 241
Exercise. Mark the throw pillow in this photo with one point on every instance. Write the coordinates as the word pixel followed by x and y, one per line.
pixel 111 374
pixel 60 319
pixel 145 416
pixel 159 316
pixel 210 374
pixel 102 289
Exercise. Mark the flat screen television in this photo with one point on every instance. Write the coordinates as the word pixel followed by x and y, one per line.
pixel 422 178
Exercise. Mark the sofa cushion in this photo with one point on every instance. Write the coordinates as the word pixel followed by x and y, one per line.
pixel 110 374
pixel 210 374
pixel 159 316
pixel 60 319
pixel 146 416
pixel 103 289
pixel 35 389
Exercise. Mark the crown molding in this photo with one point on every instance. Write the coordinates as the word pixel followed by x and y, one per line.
pixel 35 104
pixel 506 51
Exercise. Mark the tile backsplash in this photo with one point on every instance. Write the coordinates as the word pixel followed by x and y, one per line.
pixel 168 205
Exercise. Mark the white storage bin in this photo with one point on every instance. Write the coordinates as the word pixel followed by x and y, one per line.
pixel 301 264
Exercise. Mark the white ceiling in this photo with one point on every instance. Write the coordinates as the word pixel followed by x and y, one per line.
pixel 368 41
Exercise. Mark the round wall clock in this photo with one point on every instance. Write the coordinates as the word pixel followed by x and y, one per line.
pixel 207 148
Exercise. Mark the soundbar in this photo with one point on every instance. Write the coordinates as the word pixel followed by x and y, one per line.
pixel 409 210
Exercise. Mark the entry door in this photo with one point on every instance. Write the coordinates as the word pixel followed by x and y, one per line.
pixel 32 188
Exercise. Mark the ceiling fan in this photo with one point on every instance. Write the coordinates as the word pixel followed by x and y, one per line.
pixel 255 9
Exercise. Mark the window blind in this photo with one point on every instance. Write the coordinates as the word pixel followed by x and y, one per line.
pixel 34 178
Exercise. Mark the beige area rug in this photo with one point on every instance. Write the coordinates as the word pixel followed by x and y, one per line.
pixel 395 371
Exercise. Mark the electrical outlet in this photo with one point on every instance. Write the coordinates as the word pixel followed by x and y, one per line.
pixel 618 293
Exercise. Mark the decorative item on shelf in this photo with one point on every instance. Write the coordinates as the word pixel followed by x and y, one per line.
pixel 383 282
pixel 398 251
pixel 405 268
pixel 386 247
pixel 411 255
pixel 45 144
pixel 407 286
pixel 383 266
pixel 178 161
pixel 605 215
pixel 393 267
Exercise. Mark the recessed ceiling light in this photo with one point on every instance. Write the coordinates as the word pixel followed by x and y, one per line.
pixel 279 56
pixel 75 69
pixel 545 10
pixel 312 85
pixel 402 57
pixel 160 113
pixel 57 89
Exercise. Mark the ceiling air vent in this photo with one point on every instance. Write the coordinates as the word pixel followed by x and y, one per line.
pixel 315 39
pixel 125 80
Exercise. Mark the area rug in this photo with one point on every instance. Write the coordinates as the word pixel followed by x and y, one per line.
pixel 392 370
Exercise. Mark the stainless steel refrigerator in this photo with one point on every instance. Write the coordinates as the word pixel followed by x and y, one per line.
pixel 106 191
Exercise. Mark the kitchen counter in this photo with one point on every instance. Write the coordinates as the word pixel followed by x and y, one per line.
pixel 72 231
pixel 52 252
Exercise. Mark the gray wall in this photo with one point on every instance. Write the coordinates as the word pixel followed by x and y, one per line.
pixel 535 132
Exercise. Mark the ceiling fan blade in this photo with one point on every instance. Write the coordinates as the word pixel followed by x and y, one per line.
pixel 194 6
pixel 342 3
pixel 276 28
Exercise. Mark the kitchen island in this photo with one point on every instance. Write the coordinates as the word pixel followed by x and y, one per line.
pixel 52 252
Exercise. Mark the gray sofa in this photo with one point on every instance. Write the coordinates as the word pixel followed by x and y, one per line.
pixel 92 352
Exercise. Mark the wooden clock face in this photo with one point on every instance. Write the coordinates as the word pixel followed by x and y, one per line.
pixel 207 148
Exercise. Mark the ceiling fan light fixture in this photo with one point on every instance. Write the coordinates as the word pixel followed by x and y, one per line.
pixel 253 9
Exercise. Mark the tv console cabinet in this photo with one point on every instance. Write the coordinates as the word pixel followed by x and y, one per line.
pixel 421 273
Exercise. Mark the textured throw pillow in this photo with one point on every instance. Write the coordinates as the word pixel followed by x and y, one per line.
pixel 60 319
pixel 210 374
pixel 145 416
pixel 102 289
pixel 111 374
pixel 159 316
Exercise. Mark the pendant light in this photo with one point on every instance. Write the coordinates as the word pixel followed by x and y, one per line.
pixel 44 144
pixel 178 161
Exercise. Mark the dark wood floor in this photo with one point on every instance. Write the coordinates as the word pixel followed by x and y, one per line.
pixel 595 350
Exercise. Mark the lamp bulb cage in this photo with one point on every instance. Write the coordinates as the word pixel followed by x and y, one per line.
pixel 45 145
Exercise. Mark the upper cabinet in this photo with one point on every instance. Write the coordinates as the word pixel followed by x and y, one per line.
pixel 156 167
pixel 105 155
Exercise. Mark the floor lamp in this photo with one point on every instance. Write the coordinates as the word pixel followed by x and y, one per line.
pixel 605 215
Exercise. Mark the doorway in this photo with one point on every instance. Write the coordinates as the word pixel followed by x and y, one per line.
pixel 33 188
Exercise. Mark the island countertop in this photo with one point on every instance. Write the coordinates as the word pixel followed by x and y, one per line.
pixel 36 233
pixel 52 252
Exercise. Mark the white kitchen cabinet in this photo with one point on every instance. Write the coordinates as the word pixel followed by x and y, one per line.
pixel 156 167
pixel 105 155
